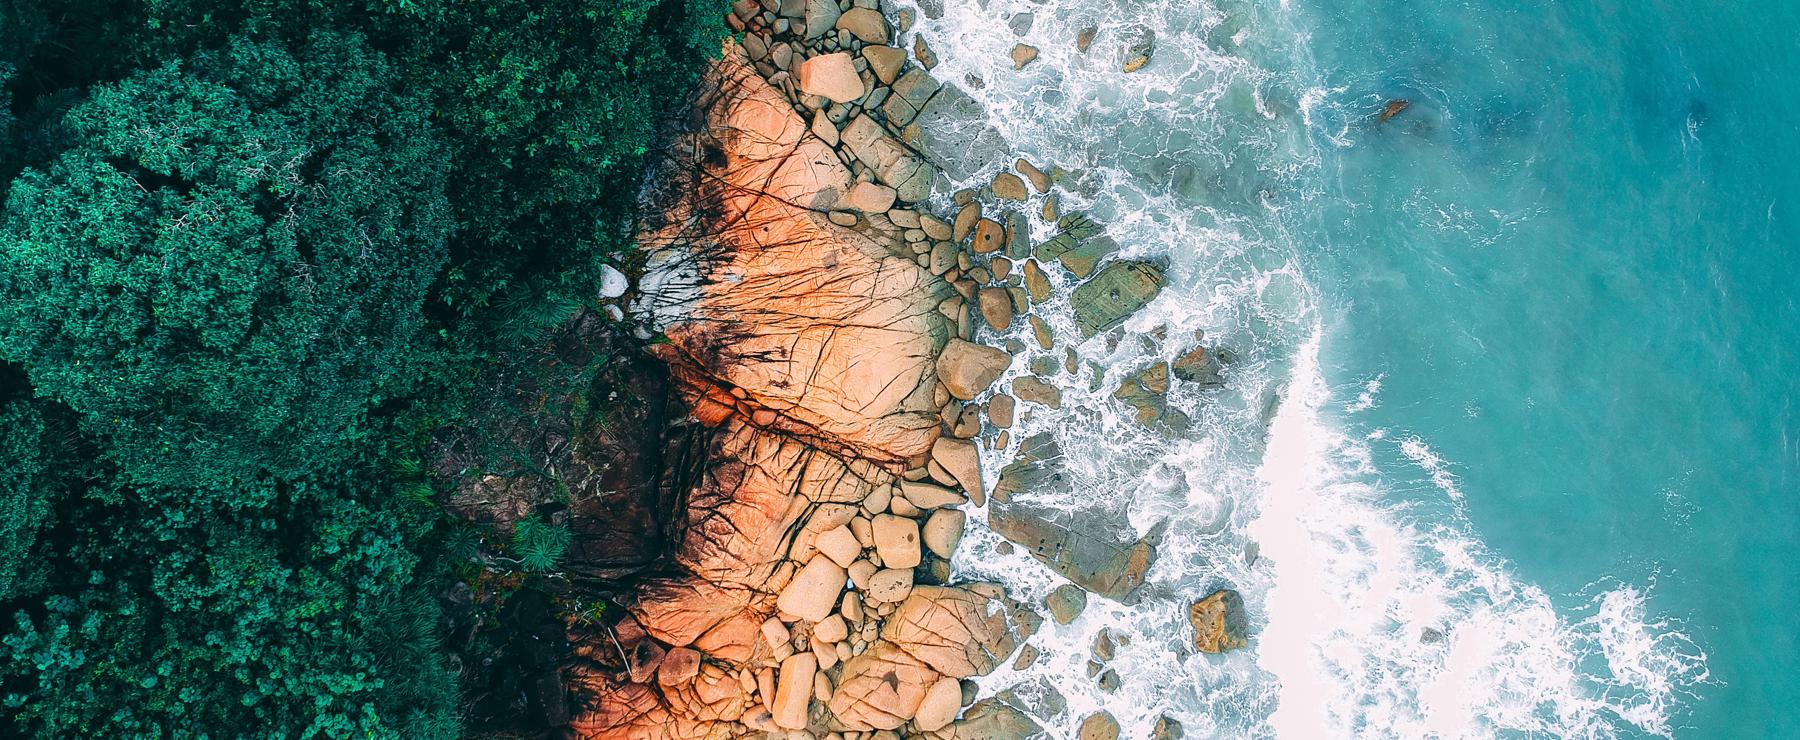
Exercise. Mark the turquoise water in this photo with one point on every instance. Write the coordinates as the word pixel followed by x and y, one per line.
pixel 1573 265
pixel 1507 447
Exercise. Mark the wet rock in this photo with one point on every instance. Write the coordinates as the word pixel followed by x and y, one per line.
pixel 1114 295
pixel 956 134
pixel 821 17
pixel 944 531
pixel 1065 603
pixel 831 75
pixel 864 24
pixel 910 94
pixel 996 308
pixel 922 52
pixel 1085 38
pixel 1000 410
pixel 1430 636
pixel 1200 367
pixel 1040 331
pixel 1037 284
pixel 1099 726
pixel 1023 54
pixel 1394 108
pixel 968 369
pixel 1167 729
pixel 1037 391
pixel 1109 681
pixel 1219 622
pixel 1093 548
pixel 989 236
pixel 1103 645
pixel 1021 23
pixel 885 62
pixel 1008 186
pixel 1038 179
pixel 1084 257
pixel 1138 53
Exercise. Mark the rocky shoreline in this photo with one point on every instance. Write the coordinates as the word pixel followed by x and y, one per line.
pixel 822 326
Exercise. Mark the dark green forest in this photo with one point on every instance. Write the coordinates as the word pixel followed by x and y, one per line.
pixel 253 255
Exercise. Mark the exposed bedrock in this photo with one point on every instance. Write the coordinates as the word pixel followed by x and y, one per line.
pixel 806 584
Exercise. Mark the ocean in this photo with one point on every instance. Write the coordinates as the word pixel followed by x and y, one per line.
pixel 1506 444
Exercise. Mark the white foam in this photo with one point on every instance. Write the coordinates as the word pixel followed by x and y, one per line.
pixel 1349 580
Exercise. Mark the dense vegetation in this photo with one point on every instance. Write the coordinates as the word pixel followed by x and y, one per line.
pixel 251 255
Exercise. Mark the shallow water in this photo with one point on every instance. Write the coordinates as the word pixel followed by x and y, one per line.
pixel 1534 341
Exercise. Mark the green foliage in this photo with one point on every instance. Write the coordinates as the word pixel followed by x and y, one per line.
pixel 539 544
pixel 251 253
pixel 28 490
pixel 229 267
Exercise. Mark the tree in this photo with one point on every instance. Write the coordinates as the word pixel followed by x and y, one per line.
pixel 226 271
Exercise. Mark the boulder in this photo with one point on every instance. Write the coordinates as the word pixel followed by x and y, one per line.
pixel 679 666
pixel 1008 186
pixel 1200 367
pixel 839 545
pixel 1114 295
pixel 968 369
pixel 1023 54
pixel 831 75
pixel 1167 728
pixel 813 591
pixel 1139 51
pixel 794 690
pixel 929 496
pixel 944 531
pixel 990 236
pixel 821 17
pixel 1065 603
pixel 1093 548
pixel 996 307
pixel 958 631
pixel 956 134
pixel 1219 622
pixel 909 95
pixel 990 720
pixel 1034 390
pixel 870 197
pixel 1000 410
pixel 1040 181
pixel 897 541
pixel 1084 257
pixel 960 458
pixel 885 62
pixel 889 585
pixel 881 689
pixel 864 23
pixel 643 659
pixel 939 707
pixel 1099 726
pixel 831 629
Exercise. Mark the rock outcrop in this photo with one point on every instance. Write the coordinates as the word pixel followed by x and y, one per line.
pixel 1219 622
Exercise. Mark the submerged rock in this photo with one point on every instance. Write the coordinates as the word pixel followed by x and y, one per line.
pixel 1114 295
pixel 1219 622
pixel 1095 549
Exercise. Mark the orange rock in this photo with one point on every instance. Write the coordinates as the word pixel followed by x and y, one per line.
pixel 956 631
pixel 880 689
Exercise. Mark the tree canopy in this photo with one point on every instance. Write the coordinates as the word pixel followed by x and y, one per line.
pixel 251 256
